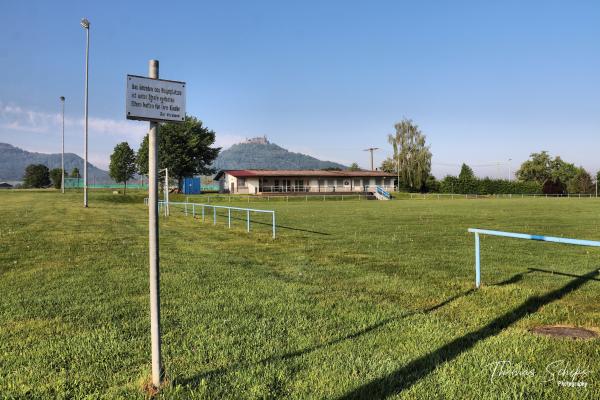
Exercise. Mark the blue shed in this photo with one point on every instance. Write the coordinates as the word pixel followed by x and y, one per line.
pixel 191 186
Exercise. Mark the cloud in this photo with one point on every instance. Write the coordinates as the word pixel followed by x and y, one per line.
pixel 19 119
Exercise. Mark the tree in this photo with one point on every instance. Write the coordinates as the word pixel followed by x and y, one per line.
pixel 36 176
pixel 122 164
pixel 331 169
pixel 466 173
pixel 432 185
pixel 563 171
pixel 354 167
pixel 467 182
pixel 538 168
pixel 581 182
pixel 389 165
pixel 411 154
pixel 183 148
pixel 541 168
pixel 75 173
pixel 56 177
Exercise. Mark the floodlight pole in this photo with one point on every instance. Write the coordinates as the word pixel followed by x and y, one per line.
pixel 86 25
pixel 62 156
pixel 153 240
pixel 371 150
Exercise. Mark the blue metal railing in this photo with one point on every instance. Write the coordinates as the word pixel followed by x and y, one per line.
pixel 477 232
pixel 383 192
pixel 192 207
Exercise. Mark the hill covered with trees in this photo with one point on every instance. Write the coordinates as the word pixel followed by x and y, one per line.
pixel 14 160
pixel 265 155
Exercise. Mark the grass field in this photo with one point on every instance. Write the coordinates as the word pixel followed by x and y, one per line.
pixel 354 299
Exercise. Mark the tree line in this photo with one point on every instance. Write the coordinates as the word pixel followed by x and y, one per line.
pixel 411 162
pixel 185 149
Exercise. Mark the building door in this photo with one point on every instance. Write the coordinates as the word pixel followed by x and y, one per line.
pixel 232 188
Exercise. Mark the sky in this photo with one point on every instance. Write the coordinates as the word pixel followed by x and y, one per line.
pixel 485 81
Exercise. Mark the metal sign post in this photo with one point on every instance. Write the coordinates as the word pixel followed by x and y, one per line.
pixel 153 241
pixel 154 100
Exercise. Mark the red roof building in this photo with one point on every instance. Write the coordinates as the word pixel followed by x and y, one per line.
pixel 256 181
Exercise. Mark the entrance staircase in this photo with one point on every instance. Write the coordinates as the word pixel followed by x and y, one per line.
pixel 381 194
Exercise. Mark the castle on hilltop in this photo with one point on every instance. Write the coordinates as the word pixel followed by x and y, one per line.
pixel 257 140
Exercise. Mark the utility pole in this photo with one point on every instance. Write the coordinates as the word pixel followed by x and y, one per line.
pixel 371 150
pixel 509 174
pixel 62 156
pixel 86 25
pixel 153 240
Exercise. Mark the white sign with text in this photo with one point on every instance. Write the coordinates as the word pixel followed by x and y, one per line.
pixel 155 99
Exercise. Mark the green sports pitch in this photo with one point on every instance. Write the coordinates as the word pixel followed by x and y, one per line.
pixel 353 299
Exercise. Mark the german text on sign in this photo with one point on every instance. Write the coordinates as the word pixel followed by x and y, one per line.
pixel 155 99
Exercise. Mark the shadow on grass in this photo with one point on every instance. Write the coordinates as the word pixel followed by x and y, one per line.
pixel 411 373
pixel 513 279
pixel 519 277
pixel 195 380
pixel 559 273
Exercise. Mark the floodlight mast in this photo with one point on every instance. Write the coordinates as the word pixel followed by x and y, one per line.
pixel 85 24
pixel 62 156
pixel 372 149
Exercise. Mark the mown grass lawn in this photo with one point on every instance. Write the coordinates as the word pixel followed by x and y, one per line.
pixel 354 299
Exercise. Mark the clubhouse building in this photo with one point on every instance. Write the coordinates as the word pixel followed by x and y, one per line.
pixel 257 181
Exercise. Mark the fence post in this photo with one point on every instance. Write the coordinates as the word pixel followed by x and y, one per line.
pixel 229 217
pixel 477 262
pixel 186 208
pixel 202 212
pixel 193 210
pixel 248 220
pixel 273 224
pixel 214 215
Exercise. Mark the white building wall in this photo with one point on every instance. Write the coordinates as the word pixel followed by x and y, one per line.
pixel 252 185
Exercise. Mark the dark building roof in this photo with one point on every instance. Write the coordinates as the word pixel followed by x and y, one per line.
pixel 5 185
pixel 245 173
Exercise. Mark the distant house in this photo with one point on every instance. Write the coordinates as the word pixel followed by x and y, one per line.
pixel 255 181
pixel 5 185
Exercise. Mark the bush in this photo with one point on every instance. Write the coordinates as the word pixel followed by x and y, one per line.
pixel 472 185
pixel 36 176
pixel 55 176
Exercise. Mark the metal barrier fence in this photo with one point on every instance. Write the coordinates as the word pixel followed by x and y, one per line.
pixel 77 183
pixel 439 196
pixel 281 198
pixel 542 238
pixel 201 208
